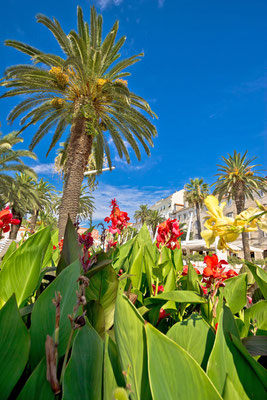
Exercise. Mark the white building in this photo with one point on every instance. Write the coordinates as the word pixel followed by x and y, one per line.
pixel 170 204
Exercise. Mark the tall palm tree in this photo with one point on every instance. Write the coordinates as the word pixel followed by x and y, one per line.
pixel 142 214
pixel 83 89
pixel 154 218
pixel 44 193
pixel 238 181
pixel 195 193
pixel 10 159
pixel 22 197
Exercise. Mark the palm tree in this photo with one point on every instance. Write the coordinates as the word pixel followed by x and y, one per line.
pixel 10 159
pixel 142 214
pixel 237 181
pixel 44 192
pixel 83 89
pixel 154 218
pixel 195 193
pixel 22 197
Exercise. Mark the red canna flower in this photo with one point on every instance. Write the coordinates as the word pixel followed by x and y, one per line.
pixel 214 272
pixel 86 239
pixel 6 219
pixel 185 270
pixel 168 234
pixel 162 314
pixel 60 244
pixel 119 219
pixel 216 327
pixel 54 247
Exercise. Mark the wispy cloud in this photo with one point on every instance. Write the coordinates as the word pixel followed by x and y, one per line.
pixel 45 169
pixel 105 3
pixel 161 3
pixel 129 198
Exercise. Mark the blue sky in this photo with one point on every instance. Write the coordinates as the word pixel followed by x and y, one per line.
pixel 203 73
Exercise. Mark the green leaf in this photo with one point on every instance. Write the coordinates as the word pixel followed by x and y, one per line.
pixel 177 258
pixel 235 292
pixel 195 336
pixel 179 296
pixel 226 359
pixel 20 272
pixel 143 236
pixel 137 268
pixel 260 277
pixel 112 370
pixel 10 250
pixel 83 376
pixel 37 386
pixel 192 279
pixel 148 261
pixel 130 339
pixel 14 347
pixel 103 288
pixel 71 248
pixel 173 373
pixel 44 313
pixel 257 314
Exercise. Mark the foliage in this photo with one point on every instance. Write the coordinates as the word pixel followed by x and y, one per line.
pixel 106 333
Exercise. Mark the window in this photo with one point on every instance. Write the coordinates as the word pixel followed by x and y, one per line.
pixel 169 205
pixel 230 215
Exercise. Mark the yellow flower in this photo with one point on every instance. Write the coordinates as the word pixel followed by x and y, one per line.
pixel 228 229
pixel 61 77
pixel 57 102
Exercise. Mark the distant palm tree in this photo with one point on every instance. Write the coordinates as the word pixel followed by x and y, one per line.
pixel 237 181
pixel 44 192
pixel 10 159
pixel 154 218
pixel 83 89
pixel 142 214
pixel 195 193
pixel 22 197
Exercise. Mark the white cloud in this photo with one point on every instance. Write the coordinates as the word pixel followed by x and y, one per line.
pixel 105 3
pixel 46 169
pixel 129 198
pixel 161 3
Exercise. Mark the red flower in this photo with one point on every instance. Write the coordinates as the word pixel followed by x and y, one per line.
pixel 60 244
pixel 249 299
pixel 54 247
pixel 215 272
pixel 160 289
pixel 204 289
pixel 162 314
pixel 168 234
pixel 86 239
pixel 216 327
pixel 6 219
pixel 119 219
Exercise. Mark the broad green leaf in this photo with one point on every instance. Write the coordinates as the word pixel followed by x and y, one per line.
pixel 257 314
pixel 137 268
pixel 14 347
pixel 148 261
pixel 96 317
pixel 260 277
pixel 37 386
pixel 130 339
pixel 179 296
pixel 143 236
pixel 44 313
pixel 71 248
pixel 124 253
pixel 173 373
pixel 20 272
pixel 195 336
pixel 103 287
pixel 83 375
pixel 235 292
pixel 226 359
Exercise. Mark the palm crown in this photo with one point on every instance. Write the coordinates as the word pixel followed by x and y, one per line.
pixel 236 174
pixel 142 213
pixel 196 191
pixel 87 81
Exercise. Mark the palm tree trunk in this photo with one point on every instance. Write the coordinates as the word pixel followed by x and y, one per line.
pixel 79 150
pixel 34 220
pixel 198 221
pixel 15 228
pixel 240 206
